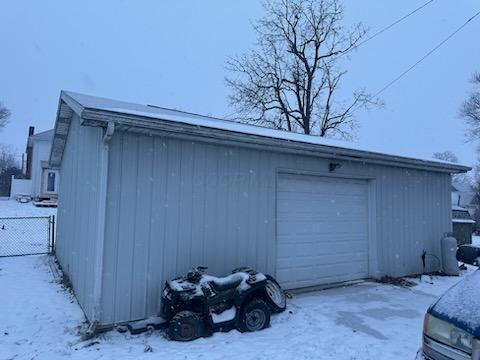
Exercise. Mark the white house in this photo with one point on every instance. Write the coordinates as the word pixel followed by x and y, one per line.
pixel 41 181
pixel 463 195
pixel 45 179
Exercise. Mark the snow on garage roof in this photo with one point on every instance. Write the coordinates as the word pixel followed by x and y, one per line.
pixel 98 109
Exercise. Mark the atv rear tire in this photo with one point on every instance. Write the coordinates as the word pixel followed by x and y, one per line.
pixel 186 326
pixel 255 316
pixel 276 298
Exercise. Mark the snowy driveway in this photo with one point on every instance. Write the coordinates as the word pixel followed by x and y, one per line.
pixel 39 320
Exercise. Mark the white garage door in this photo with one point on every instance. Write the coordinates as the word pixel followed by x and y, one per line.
pixel 322 230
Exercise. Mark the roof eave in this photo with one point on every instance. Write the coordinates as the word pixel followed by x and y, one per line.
pixel 74 105
pixel 96 117
pixel 67 106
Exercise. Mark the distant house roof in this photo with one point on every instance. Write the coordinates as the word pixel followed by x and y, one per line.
pixel 461 215
pixel 45 135
pixel 96 111
pixel 41 136
pixel 465 190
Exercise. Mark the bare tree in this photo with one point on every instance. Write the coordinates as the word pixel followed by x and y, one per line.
pixel 470 110
pixel 290 81
pixel 446 156
pixel 4 116
pixel 8 167
pixel 462 179
pixel 7 158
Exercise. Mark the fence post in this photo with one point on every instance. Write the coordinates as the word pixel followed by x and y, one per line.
pixel 51 227
pixel 49 232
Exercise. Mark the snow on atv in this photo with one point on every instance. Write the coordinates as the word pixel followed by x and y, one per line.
pixel 198 304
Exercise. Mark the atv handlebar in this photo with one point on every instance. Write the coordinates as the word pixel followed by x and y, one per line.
pixel 196 273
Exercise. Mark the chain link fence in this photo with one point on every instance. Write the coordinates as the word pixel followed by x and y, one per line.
pixel 27 235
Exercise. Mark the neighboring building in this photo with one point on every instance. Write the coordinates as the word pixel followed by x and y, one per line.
pixel 45 179
pixel 463 195
pixel 147 193
pixel 463 225
pixel 41 181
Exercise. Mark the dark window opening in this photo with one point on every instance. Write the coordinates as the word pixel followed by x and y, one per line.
pixel 51 182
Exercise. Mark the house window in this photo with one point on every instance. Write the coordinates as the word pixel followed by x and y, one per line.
pixel 51 182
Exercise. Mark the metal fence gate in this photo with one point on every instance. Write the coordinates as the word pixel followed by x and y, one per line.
pixel 27 235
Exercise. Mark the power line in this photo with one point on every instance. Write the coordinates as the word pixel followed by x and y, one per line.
pixel 381 31
pixel 426 55
pixel 393 24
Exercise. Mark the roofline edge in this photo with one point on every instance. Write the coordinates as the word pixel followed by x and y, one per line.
pixel 99 117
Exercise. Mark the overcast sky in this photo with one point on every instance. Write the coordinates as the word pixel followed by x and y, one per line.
pixel 172 54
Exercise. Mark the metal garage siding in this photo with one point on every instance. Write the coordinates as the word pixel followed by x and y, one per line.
pixel 77 210
pixel 173 204
pixel 412 217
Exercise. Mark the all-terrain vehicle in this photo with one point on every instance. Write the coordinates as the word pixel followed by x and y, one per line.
pixel 198 304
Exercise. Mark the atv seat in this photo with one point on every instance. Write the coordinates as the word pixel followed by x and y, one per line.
pixel 226 285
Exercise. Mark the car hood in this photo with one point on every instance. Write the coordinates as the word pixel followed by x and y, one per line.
pixel 460 305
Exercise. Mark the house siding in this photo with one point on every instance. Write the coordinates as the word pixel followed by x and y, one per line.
pixel 173 204
pixel 77 210
pixel 41 152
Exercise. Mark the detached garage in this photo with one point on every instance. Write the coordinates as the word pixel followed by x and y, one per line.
pixel 148 193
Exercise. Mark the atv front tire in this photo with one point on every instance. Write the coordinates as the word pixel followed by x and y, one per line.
pixel 186 326
pixel 276 298
pixel 255 316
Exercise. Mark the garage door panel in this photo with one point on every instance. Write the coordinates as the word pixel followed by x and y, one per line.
pixel 306 206
pixel 286 251
pixel 297 250
pixel 319 260
pixel 327 199
pixel 321 230
pixel 310 184
pixel 305 211
pixel 348 193
pixel 343 236
pixel 329 273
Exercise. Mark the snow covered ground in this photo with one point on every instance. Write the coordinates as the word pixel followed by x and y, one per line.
pixel 12 208
pixel 40 320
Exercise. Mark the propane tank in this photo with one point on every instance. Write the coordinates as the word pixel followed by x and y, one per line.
pixel 449 259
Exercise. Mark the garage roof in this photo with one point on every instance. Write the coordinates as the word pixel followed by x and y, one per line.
pixel 98 111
